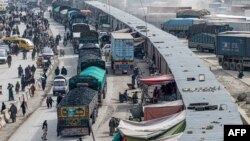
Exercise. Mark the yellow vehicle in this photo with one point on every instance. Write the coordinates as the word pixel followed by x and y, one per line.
pixel 23 43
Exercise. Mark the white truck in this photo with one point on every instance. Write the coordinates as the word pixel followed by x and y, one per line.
pixel 60 85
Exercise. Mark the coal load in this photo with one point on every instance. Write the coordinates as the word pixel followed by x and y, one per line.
pixel 208 28
pixel 78 96
pixel 192 13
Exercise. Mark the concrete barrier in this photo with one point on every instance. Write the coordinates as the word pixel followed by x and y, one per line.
pixel 6 115
pixel 2 121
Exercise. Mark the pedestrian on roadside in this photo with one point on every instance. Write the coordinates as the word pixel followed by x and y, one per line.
pixel 33 69
pixel 33 54
pixel 20 71
pixel 3 107
pixel 17 87
pixel 13 112
pixel 24 106
pixel 57 71
pixel 45 130
pixel 50 102
pixel 43 79
pixel 64 71
pixel 23 82
pixel 9 60
pixel 47 102
pixel 112 124
pixel 32 89
pixel 59 99
pixel 10 89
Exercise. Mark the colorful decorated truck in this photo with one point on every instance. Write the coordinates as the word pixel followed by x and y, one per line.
pixel 77 112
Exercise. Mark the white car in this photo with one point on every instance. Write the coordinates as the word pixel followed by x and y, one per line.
pixel 106 48
pixel 47 53
pixel 5 47
pixel 3 56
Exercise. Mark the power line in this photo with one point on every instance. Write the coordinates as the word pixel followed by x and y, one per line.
pixel 145 18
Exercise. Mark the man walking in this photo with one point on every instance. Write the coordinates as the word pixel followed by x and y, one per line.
pixel 10 88
pixel 13 112
pixel 57 71
pixel 33 70
pixel 112 124
pixel 50 102
pixel 64 71
pixel 24 107
pixel 17 87
pixel 45 130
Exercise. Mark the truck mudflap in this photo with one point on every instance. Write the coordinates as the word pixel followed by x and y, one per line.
pixel 75 131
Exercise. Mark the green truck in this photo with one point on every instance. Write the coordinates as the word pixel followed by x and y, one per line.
pixel 93 77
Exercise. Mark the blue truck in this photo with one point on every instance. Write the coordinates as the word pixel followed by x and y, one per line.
pixel 122 53
pixel 202 41
pixel 202 36
pixel 180 26
pixel 233 50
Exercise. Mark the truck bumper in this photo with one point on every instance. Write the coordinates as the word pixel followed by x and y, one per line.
pixel 57 92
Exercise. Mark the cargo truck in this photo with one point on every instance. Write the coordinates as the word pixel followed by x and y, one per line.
pixel 202 36
pixel 93 77
pixel 122 53
pixel 233 50
pixel 202 41
pixel 77 111
pixel 179 26
pixel 84 36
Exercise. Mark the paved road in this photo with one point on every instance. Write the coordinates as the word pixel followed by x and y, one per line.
pixel 10 75
pixel 31 128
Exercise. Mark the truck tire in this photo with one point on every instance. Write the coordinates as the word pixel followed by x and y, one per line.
pixel 239 66
pixel 225 66
pixel 232 66
pixel 198 48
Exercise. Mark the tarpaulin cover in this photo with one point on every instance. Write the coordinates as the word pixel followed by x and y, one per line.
pixel 86 12
pixel 155 111
pixel 90 81
pixel 173 134
pixel 64 11
pixel 175 137
pixel 150 128
pixel 56 9
pixel 153 80
pixel 96 72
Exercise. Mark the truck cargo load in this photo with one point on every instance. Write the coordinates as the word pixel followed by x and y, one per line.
pixel 77 111
pixel 89 48
pixel 192 13
pixel 233 50
pixel 90 60
pixel 122 52
pixel 212 28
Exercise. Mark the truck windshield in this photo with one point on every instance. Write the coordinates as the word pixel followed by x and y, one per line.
pixel 59 83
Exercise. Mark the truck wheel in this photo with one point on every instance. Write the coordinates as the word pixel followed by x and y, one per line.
pixel 198 48
pixel 225 65
pixel 239 66
pixel 211 51
pixel 232 65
